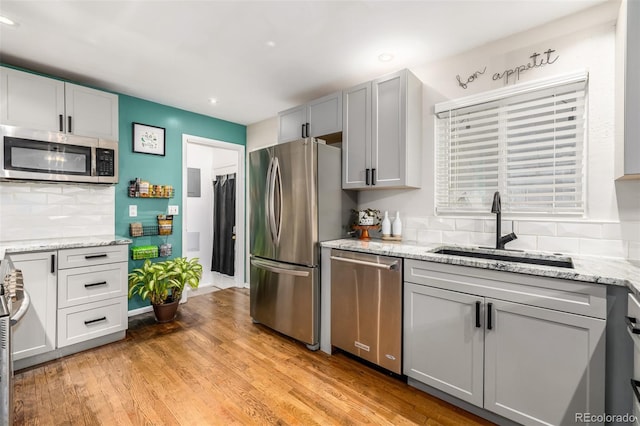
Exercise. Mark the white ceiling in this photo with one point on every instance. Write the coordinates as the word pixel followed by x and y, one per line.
pixel 181 53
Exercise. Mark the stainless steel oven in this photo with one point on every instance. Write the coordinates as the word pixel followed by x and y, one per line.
pixel 52 156
pixel 14 303
pixel 6 370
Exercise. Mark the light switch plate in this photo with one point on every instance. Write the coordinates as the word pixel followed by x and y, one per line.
pixel 173 210
pixel 133 211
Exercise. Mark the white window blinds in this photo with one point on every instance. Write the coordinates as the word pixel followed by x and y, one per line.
pixel 524 141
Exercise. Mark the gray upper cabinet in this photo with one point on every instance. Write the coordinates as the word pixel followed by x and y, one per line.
pixel 91 112
pixel 632 92
pixel 41 103
pixel 291 124
pixel 382 133
pixel 317 118
pixel 356 136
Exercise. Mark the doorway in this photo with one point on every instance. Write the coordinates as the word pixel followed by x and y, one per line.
pixel 204 162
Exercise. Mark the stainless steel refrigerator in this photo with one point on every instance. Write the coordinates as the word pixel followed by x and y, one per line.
pixel 296 201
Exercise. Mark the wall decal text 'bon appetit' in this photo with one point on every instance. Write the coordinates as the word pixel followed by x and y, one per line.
pixel 537 60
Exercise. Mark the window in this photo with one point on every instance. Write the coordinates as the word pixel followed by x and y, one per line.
pixel 525 141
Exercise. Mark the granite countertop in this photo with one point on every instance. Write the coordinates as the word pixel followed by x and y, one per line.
pixel 599 270
pixel 61 243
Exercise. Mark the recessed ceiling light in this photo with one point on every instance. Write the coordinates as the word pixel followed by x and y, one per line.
pixel 385 57
pixel 5 20
pixel 213 101
pixel 271 43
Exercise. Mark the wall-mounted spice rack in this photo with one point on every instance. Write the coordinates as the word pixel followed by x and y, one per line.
pixel 151 251
pixel 163 227
pixel 143 189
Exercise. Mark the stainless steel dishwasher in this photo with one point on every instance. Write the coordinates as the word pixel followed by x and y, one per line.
pixel 366 307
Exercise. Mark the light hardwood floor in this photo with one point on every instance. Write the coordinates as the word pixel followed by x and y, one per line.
pixel 214 366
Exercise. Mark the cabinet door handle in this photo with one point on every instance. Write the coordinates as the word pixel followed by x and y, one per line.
pixel 631 321
pixel 634 385
pixel 95 256
pixel 53 263
pixel 373 176
pixel 368 177
pixel 95 284
pixel 95 320
pixel 489 321
pixel 478 325
pixel 61 120
pixel 306 130
pixel 69 129
pixel 302 131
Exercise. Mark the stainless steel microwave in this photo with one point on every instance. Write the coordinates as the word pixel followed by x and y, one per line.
pixel 52 156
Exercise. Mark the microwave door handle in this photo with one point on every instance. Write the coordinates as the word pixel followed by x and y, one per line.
pixel 94 162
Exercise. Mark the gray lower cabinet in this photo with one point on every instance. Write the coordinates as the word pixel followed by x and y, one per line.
pixel 442 346
pixel 35 334
pixel 498 343
pixel 78 301
pixel 92 293
pixel 540 365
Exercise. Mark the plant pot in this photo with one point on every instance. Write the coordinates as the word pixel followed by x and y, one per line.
pixel 166 312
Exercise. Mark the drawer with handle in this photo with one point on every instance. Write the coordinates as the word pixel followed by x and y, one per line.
pixel 90 320
pixel 73 258
pixel 633 327
pixel 91 284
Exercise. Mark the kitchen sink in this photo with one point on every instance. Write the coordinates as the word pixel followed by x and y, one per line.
pixel 558 261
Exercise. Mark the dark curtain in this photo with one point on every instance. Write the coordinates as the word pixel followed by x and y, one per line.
pixel 224 221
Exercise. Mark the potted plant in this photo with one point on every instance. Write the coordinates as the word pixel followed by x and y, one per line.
pixel 187 272
pixel 162 283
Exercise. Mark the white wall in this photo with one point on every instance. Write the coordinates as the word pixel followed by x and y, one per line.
pixel 612 224
pixel 262 134
pixel 37 211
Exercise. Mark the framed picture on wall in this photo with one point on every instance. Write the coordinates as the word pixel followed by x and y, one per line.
pixel 148 139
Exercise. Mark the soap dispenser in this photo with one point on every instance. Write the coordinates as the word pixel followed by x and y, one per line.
pixel 397 226
pixel 386 225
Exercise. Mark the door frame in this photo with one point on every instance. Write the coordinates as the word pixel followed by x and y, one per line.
pixel 240 257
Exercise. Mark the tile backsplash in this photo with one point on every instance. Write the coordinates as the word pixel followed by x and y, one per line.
pixel 35 211
pixel 608 239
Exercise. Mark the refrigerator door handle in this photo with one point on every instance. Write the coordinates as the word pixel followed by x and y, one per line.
pixel 268 198
pixel 271 182
pixel 271 268
pixel 277 184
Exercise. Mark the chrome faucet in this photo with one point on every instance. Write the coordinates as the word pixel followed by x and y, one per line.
pixel 496 207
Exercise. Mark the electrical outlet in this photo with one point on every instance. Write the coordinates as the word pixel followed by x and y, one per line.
pixel 173 210
pixel 133 211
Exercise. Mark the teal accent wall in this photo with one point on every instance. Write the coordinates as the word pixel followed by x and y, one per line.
pixel 160 170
